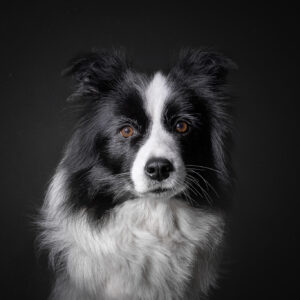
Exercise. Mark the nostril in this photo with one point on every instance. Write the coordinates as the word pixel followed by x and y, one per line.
pixel 158 168
pixel 166 168
pixel 150 170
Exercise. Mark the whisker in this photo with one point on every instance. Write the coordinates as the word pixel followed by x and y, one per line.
pixel 190 185
pixel 208 185
pixel 205 194
pixel 190 200
pixel 195 191
pixel 203 167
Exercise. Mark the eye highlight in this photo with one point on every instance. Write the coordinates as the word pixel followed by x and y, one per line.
pixel 181 127
pixel 127 131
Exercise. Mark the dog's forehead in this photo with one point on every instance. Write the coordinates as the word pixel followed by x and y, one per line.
pixel 156 94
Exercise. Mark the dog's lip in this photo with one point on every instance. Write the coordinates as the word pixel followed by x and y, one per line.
pixel 159 190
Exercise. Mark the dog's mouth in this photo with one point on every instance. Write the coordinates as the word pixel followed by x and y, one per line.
pixel 163 192
pixel 159 190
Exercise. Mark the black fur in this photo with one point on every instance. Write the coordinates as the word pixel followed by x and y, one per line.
pixel 202 76
pixel 106 88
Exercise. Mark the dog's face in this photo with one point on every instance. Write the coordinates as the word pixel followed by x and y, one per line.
pixel 153 134
pixel 149 136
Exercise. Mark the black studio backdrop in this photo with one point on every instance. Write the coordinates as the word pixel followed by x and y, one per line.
pixel 36 42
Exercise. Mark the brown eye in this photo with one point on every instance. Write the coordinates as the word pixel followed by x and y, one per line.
pixel 127 131
pixel 182 127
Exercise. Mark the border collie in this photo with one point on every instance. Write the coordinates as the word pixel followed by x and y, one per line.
pixel 136 208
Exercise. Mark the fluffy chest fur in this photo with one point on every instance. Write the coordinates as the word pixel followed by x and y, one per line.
pixel 147 249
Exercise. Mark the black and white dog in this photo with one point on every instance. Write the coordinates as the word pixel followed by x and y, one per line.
pixel 136 207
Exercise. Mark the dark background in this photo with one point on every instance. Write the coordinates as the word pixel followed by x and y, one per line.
pixel 36 42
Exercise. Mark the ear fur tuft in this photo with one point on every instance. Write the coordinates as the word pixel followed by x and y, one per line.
pixel 198 62
pixel 96 72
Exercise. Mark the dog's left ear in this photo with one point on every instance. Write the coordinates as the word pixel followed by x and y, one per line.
pixel 96 73
pixel 202 65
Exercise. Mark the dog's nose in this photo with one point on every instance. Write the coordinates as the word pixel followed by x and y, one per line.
pixel 158 168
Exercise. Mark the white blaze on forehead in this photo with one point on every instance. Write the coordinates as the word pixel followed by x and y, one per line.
pixel 160 142
pixel 156 95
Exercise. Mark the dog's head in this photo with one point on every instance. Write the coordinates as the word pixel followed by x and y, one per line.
pixel 149 136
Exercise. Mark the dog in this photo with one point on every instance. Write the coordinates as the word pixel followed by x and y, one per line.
pixel 137 206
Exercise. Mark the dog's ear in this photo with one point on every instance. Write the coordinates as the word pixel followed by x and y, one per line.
pixel 204 65
pixel 96 73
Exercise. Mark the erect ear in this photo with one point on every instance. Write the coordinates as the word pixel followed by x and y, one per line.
pixel 212 66
pixel 96 73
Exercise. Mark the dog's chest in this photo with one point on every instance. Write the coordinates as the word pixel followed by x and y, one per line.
pixel 150 249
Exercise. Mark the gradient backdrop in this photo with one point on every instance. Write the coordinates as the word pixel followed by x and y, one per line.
pixel 36 42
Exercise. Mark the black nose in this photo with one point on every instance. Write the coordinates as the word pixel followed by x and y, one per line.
pixel 158 168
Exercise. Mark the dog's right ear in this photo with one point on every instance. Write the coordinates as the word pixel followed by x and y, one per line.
pixel 96 73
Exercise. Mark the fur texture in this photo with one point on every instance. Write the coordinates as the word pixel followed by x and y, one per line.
pixel 141 216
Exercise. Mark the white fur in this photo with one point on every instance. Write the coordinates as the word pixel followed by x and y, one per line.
pixel 160 143
pixel 146 249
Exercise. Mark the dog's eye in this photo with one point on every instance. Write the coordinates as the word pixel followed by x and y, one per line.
pixel 181 127
pixel 127 131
